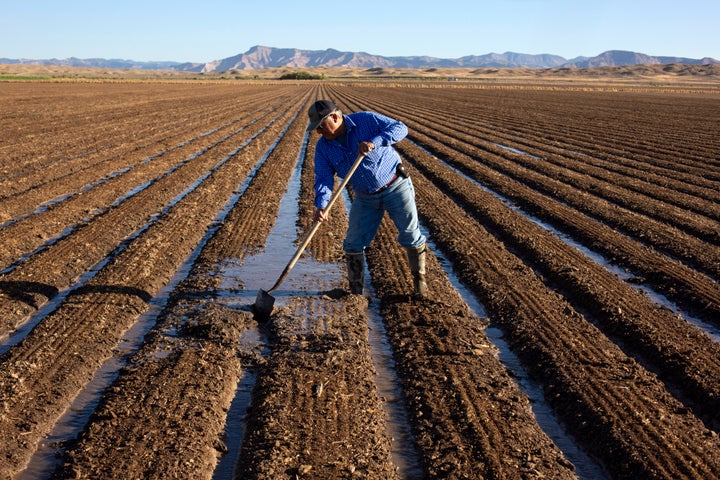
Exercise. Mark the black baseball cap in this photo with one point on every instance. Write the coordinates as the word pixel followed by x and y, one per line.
pixel 318 111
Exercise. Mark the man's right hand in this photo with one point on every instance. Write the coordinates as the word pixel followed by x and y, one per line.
pixel 365 147
pixel 320 215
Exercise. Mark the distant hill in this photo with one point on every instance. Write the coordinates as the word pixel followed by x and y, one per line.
pixel 619 58
pixel 261 57
pixel 94 63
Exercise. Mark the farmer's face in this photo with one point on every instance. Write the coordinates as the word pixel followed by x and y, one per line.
pixel 330 126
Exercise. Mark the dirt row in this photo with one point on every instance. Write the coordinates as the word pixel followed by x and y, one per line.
pixel 92 199
pixel 613 302
pixel 619 412
pixel 633 383
pixel 647 330
pixel 45 371
pixel 627 188
pixel 71 128
pixel 538 167
pixel 689 287
pixel 558 134
pixel 187 412
pixel 130 147
pixel 645 128
pixel 52 270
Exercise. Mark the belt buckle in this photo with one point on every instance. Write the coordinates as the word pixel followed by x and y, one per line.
pixel 395 177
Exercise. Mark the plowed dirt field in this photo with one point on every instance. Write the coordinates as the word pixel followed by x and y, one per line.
pixel 586 222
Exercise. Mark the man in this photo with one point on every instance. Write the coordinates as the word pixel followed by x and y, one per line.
pixel 380 184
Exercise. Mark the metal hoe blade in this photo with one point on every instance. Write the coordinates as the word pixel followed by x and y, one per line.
pixel 263 305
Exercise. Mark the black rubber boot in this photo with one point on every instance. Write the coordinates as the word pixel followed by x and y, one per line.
pixel 356 272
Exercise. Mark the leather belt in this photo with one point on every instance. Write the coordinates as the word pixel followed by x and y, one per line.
pixel 395 177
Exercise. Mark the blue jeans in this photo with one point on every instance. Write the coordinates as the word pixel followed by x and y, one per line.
pixel 367 212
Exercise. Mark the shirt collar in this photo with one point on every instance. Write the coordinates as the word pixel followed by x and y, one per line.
pixel 349 124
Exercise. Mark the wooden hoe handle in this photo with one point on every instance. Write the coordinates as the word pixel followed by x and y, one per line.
pixel 308 236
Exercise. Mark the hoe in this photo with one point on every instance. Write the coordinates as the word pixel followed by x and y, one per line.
pixel 264 302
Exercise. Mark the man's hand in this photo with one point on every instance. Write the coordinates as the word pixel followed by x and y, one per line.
pixel 320 215
pixel 365 148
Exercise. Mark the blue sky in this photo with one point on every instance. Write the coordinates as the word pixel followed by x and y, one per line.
pixel 206 30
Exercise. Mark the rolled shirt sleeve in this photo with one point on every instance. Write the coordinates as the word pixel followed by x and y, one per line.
pixel 391 131
pixel 324 180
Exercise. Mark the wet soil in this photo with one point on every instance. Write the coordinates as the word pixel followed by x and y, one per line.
pixel 109 191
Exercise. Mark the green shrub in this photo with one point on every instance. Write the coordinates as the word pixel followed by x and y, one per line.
pixel 301 75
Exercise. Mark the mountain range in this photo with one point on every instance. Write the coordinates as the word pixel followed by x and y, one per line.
pixel 259 57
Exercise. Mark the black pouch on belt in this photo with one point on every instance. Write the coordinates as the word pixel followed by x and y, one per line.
pixel 400 170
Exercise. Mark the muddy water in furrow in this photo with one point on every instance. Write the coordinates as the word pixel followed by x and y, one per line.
pixel 238 289
pixel 311 280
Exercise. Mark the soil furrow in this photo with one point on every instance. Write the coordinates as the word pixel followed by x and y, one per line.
pixel 200 330
pixel 137 273
pixel 576 390
pixel 464 406
pixel 690 289
pixel 63 262
pixel 575 190
pixel 631 173
pixel 31 232
pixel 679 350
pixel 89 171
pixel 122 124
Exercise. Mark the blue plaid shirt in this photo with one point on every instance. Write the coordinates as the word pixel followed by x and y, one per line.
pixel 378 166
